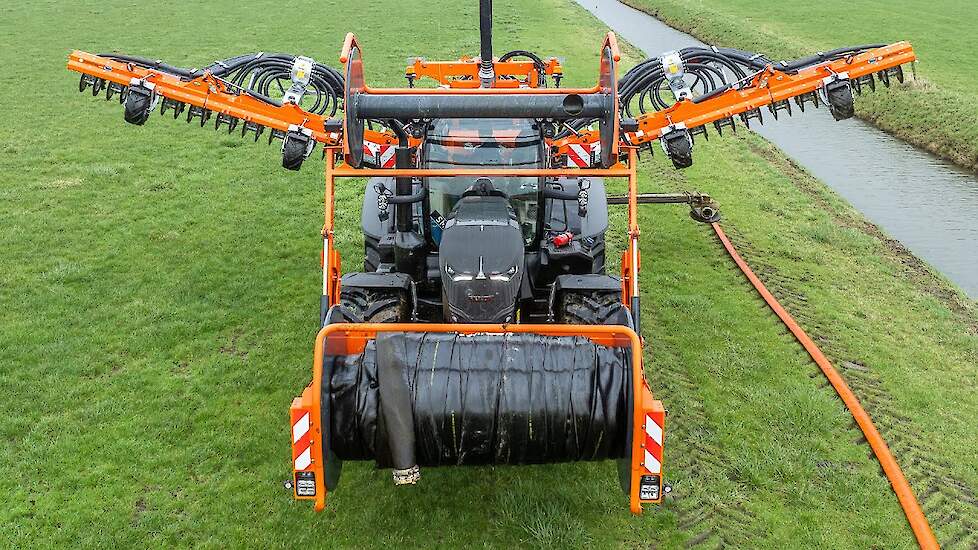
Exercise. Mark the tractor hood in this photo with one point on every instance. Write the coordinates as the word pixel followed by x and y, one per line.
pixel 481 260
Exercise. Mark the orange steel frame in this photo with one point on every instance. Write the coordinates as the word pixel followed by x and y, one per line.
pixel 346 338
pixel 355 335
pixel 331 258
pixel 464 73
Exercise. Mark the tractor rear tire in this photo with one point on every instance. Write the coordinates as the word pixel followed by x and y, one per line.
pixel 374 305
pixel 371 254
pixel 595 307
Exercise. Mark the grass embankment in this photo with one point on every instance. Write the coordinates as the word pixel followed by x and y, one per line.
pixel 938 112
pixel 159 291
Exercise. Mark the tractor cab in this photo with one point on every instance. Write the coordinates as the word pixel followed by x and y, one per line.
pixel 491 143
pixel 488 247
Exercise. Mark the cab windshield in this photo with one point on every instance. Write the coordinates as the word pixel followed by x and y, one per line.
pixel 470 143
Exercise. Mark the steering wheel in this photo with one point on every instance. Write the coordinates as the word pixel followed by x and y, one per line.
pixel 483 188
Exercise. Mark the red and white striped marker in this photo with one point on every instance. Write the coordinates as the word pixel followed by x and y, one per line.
pixel 380 155
pixel 579 156
pixel 653 442
pixel 301 441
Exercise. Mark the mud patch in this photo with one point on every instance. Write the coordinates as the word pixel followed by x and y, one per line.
pixel 233 349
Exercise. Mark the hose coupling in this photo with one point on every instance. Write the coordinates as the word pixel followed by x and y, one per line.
pixel 487 73
pixel 409 476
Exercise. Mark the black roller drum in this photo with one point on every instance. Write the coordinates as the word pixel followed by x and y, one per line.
pixel 479 399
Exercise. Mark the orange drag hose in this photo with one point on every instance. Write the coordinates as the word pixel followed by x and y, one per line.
pixel 918 522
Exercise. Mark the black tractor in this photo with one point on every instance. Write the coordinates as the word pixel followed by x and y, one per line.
pixel 474 249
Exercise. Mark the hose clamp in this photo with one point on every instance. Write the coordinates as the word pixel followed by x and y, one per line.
pixel 409 476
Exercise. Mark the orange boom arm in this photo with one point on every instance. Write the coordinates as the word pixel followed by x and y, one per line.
pixel 766 88
pixel 769 87
pixel 206 92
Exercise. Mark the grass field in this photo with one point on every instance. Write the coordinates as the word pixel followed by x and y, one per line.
pixel 938 112
pixel 159 290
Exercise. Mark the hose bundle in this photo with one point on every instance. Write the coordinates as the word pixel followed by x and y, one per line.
pixel 259 75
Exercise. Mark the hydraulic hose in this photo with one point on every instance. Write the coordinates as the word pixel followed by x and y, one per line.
pixel 487 74
pixel 538 63
pixel 409 256
pixel 395 403
pixel 403 186
pixel 151 64
pixel 911 507
pixel 757 61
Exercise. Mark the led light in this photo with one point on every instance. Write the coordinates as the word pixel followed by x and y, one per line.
pixel 508 275
pixel 456 277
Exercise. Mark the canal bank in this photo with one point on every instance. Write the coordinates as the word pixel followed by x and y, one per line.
pixel 937 112
pixel 924 202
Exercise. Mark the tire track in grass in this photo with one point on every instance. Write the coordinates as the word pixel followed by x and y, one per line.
pixel 950 506
pixel 726 524
pixel 707 523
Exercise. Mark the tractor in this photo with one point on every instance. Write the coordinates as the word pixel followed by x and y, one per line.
pixel 485 328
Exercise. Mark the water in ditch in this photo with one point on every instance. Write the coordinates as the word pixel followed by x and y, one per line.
pixel 929 205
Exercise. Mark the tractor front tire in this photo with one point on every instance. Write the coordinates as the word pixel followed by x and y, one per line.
pixel 594 307
pixel 374 305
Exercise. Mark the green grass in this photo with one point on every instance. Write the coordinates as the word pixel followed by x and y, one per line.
pixel 939 111
pixel 159 302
